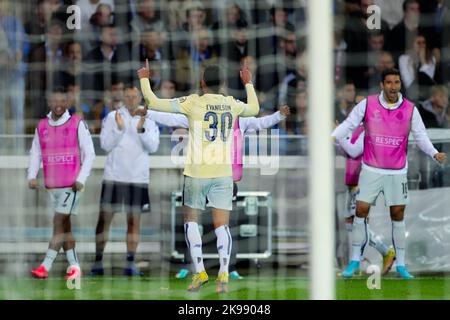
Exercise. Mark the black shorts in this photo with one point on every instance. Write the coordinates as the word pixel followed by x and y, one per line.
pixel 126 197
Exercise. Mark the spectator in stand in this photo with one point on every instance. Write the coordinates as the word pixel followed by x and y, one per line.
pixel 295 124
pixel 102 17
pixel 190 61
pixel 301 111
pixel 224 28
pixel 89 7
pixel 340 55
pixel 75 105
pixel 113 99
pixel 13 67
pixel 147 17
pixel 295 80
pixel 270 37
pixel 346 96
pixel 167 91
pixel 195 20
pixel 434 110
pixel 356 35
pixel 266 101
pixel 36 27
pixel 204 12
pixel 385 61
pixel 269 33
pixel 434 115
pixel 110 57
pixel 152 48
pixel 71 66
pixel 44 62
pixel 402 36
pixel 418 69
pixel 435 15
pixel 233 51
pixel 392 11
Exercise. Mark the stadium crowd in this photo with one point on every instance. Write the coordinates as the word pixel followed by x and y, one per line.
pixel 38 51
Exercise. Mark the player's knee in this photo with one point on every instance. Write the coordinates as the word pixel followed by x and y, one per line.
pixel 59 220
pixel 397 213
pixel 397 216
pixel 362 213
pixel 362 209
pixel 133 224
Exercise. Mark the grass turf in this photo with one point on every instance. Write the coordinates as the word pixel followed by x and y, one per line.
pixel 249 288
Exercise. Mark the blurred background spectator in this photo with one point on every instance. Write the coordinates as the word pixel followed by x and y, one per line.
pixel 14 49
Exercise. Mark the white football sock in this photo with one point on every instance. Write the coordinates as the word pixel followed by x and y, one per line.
pixel 224 243
pixel 49 258
pixel 376 242
pixel 72 257
pixel 359 235
pixel 194 243
pixel 399 241
pixel 349 228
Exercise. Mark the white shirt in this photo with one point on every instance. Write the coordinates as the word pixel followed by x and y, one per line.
pixel 246 124
pixel 417 129
pixel 127 150
pixel 86 145
pixel 408 73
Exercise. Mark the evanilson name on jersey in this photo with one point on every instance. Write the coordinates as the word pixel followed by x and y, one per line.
pixel 218 107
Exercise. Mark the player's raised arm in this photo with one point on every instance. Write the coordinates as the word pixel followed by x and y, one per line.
pixel 153 102
pixel 169 119
pixel 251 109
pixel 351 122
pixel 266 122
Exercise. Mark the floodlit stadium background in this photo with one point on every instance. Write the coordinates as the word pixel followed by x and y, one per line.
pixel 275 263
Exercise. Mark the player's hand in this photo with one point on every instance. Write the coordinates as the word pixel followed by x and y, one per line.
pixel 33 184
pixel 440 157
pixel 144 72
pixel 285 111
pixel 423 55
pixel 140 124
pixel 336 124
pixel 77 186
pixel 119 121
pixel 246 75
pixel 142 112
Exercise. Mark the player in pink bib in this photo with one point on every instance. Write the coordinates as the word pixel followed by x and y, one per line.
pixel 63 145
pixel 352 147
pixel 388 119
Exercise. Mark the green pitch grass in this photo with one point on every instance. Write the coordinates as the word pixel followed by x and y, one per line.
pixel 249 288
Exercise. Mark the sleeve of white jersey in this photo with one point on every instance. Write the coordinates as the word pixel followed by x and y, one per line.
pixel 256 124
pixel 169 119
pixel 110 135
pixel 352 121
pixel 353 150
pixel 35 160
pixel 150 138
pixel 87 152
pixel 420 135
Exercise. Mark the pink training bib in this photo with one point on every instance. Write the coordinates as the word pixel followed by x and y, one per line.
pixel 60 152
pixel 353 166
pixel 386 134
pixel 237 152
